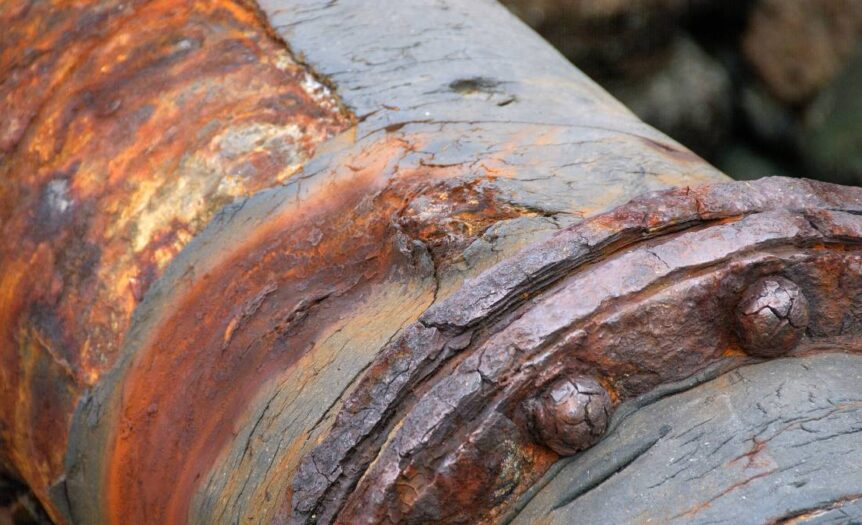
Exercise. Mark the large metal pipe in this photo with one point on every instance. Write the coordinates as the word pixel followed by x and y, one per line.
pixel 126 127
pixel 246 248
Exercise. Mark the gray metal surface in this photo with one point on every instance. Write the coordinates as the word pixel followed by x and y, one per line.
pixel 778 442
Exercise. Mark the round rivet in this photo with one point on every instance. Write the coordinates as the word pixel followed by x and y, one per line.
pixel 571 414
pixel 771 317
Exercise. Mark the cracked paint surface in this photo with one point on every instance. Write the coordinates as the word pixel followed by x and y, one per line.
pixel 638 298
pixel 256 318
pixel 771 443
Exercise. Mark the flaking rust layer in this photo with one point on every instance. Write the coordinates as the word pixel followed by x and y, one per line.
pixel 126 126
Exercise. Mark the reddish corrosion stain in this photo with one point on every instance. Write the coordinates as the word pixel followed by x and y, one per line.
pixel 258 312
pixel 674 153
pixel 126 126
pixel 752 456
pixel 696 509
pixel 241 324
pixel 451 213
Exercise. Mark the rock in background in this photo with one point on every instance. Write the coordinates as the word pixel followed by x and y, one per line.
pixel 797 47
pixel 831 136
pixel 758 87
pixel 690 96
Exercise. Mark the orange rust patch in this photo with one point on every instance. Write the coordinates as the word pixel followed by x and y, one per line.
pixel 240 325
pixel 447 216
pixel 126 126
pixel 264 307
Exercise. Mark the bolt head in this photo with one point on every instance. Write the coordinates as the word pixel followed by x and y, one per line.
pixel 571 414
pixel 771 317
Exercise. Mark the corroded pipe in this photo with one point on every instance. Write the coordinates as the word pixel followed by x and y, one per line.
pixel 126 127
pixel 264 262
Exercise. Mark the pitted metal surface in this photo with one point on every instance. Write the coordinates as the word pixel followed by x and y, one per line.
pixel 647 297
pixel 775 442
pixel 336 272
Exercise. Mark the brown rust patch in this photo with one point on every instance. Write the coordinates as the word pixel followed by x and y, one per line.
pixel 263 307
pixel 808 515
pixel 242 324
pixel 450 214
pixel 126 127
pixel 678 154
pixel 644 298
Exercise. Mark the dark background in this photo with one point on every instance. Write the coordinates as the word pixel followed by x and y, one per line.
pixel 757 87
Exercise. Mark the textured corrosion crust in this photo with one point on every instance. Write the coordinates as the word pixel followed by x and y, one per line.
pixel 125 127
pixel 333 348
pixel 241 354
pixel 642 296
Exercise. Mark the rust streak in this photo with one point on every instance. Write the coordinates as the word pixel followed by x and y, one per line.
pixel 127 126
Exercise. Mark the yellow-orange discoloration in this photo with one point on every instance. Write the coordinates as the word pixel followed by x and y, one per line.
pixel 244 322
pixel 126 127
pixel 132 125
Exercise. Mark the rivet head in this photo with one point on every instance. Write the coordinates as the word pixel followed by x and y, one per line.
pixel 771 317
pixel 571 414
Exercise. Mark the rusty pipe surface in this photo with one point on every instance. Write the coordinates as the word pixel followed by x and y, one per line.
pixel 279 262
pixel 126 126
